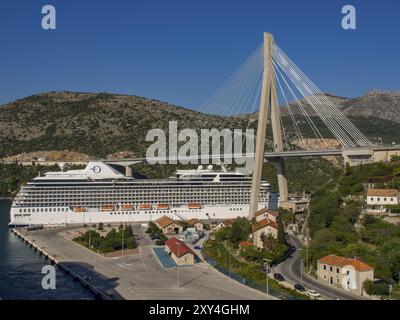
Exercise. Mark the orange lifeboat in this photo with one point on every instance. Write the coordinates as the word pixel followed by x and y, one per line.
pixel 163 206
pixel 107 208
pixel 127 207
pixel 194 205
pixel 145 207
pixel 80 209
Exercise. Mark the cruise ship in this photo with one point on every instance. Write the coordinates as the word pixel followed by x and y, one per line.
pixel 100 193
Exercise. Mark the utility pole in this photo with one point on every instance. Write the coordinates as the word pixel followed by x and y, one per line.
pixel 308 268
pixel 301 266
pixel 230 265
pixel 122 251
pixel 301 271
pixel 267 262
pixel 179 283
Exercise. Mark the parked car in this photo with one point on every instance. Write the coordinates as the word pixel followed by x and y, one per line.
pixel 198 247
pixel 313 293
pixel 279 277
pixel 299 287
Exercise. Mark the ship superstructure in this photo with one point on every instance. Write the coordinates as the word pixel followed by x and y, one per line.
pixel 99 193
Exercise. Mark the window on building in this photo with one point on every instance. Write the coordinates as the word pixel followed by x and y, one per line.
pixel 331 269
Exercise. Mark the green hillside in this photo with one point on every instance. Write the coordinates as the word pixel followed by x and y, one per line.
pixel 335 212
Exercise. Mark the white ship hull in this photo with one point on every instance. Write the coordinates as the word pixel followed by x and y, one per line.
pixel 69 216
pixel 98 193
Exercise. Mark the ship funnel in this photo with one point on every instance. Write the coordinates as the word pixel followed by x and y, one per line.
pixel 62 166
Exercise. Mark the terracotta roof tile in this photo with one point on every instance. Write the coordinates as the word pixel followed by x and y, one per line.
pixel 334 260
pixel 383 192
pixel 263 224
pixel 173 244
pixel 265 210
pixel 229 222
pixel 193 221
pixel 246 244
pixel 164 221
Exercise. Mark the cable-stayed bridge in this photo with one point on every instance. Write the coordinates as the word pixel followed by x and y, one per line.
pixel 292 116
pixel 266 80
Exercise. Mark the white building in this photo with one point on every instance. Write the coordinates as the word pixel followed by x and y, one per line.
pixel 344 273
pixel 377 199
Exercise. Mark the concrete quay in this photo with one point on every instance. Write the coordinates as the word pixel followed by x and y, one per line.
pixel 136 277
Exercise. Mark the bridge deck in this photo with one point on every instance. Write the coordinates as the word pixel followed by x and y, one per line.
pixel 303 153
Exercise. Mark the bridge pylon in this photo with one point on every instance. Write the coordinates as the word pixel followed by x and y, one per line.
pixel 268 101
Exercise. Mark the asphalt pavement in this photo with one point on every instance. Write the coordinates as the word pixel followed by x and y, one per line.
pixel 141 276
pixel 293 272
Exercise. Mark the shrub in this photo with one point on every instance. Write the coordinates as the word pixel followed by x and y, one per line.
pixel 377 288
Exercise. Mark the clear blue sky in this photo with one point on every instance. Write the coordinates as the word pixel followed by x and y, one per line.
pixel 180 51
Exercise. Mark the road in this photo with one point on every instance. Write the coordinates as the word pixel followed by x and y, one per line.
pixel 141 276
pixel 291 270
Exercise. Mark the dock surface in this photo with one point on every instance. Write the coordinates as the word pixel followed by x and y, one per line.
pixel 139 276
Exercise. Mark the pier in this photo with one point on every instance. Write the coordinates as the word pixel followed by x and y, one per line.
pixel 136 277
pixel 54 260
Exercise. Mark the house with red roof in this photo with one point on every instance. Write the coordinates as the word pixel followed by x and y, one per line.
pixel 345 273
pixel 223 224
pixel 245 244
pixel 262 229
pixel 169 226
pixel 197 224
pixel 266 214
pixel 179 252
pixel 378 199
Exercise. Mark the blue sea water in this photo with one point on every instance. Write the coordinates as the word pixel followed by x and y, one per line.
pixel 20 270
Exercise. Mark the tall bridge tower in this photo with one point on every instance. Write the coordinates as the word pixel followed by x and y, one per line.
pixel 268 102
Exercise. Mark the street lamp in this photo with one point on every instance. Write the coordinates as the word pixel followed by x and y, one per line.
pixel 230 259
pixel 122 251
pixel 301 267
pixel 178 245
pixel 267 262
pixel 301 271
pixel 308 237
pixel 230 265
pixel 90 232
